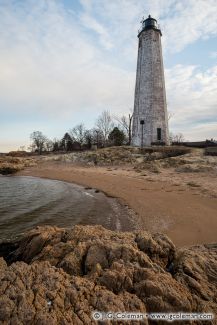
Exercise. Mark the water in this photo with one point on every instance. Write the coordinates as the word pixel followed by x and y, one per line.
pixel 26 202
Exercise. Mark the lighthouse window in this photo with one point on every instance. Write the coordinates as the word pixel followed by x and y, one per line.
pixel 159 134
pixel 140 42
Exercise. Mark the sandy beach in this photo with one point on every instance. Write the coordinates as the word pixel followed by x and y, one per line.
pixel 161 204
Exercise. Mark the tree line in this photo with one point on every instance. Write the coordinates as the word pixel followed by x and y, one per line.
pixel 109 130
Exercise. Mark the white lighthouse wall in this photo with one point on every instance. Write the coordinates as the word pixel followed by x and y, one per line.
pixel 150 96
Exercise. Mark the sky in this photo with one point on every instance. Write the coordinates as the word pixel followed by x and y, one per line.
pixel 63 62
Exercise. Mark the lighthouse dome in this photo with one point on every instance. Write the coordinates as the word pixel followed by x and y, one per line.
pixel 150 22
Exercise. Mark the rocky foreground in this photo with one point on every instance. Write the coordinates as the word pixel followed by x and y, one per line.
pixel 59 276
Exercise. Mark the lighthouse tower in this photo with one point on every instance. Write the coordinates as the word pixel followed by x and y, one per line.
pixel 150 121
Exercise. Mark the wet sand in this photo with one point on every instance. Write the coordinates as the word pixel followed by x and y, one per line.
pixel 185 216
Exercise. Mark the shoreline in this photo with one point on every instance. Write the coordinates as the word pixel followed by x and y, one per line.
pixel 183 215
pixel 69 205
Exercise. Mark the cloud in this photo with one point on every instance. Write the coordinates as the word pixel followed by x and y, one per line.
pixel 182 22
pixel 49 65
pixel 202 131
pixel 90 23
pixel 191 20
pixel 192 96
pixel 213 55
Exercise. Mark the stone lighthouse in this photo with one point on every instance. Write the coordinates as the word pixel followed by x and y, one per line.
pixel 150 121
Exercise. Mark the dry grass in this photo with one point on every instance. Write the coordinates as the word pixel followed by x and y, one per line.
pixel 124 155
pixel 18 154
pixel 11 165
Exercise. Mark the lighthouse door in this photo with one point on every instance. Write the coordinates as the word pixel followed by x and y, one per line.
pixel 159 134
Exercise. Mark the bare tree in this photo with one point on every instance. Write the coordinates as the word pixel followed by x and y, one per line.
pixel 169 115
pixel 78 134
pixel 49 145
pixel 126 124
pixel 88 138
pixel 97 137
pixel 22 148
pixel 57 144
pixel 177 138
pixel 93 136
pixel 105 124
pixel 38 141
pixel 32 147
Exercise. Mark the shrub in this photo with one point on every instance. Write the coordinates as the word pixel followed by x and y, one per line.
pixel 6 169
pixel 166 152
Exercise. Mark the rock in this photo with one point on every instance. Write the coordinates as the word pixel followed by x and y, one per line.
pixel 196 268
pixel 60 276
pixel 3 264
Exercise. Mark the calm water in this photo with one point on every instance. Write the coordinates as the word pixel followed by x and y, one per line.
pixel 26 202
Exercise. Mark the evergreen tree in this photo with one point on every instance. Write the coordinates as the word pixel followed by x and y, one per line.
pixel 116 137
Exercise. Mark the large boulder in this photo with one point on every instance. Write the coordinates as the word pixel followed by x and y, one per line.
pixel 60 276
